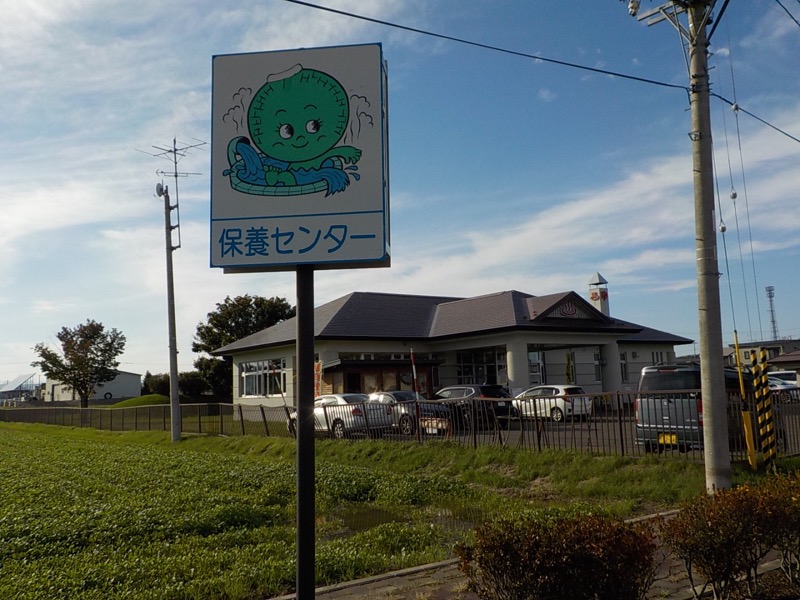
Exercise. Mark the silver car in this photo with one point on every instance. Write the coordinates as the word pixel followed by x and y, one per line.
pixel 343 415
pixel 410 411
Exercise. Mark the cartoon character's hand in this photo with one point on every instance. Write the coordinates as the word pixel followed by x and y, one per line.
pixel 348 154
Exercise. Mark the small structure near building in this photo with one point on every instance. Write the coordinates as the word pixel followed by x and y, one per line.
pixel 124 385
pixel 20 389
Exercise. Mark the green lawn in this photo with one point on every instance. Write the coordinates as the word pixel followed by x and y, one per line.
pixel 90 514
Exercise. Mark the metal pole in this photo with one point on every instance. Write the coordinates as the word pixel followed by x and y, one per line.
pixel 174 394
pixel 715 428
pixel 305 433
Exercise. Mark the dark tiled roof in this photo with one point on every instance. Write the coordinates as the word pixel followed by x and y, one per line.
pixel 650 335
pixel 366 315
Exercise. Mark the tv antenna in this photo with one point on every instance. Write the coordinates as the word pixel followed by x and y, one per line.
pixel 174 155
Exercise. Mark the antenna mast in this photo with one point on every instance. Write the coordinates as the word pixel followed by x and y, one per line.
pixel 772 318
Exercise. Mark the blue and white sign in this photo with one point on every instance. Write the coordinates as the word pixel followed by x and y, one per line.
pixel 299 160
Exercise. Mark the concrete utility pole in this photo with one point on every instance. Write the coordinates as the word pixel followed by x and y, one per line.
pixel 714 397
pixel 174 395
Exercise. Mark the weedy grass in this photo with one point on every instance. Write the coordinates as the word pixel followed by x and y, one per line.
pixel 92 514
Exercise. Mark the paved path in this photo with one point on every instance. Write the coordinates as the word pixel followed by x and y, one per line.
pixel 444 581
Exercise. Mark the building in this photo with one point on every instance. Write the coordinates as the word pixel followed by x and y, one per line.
pixel 124 385
pixel 775 351
pixel 364 342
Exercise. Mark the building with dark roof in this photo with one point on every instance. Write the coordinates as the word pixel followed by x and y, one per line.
pixel 364 342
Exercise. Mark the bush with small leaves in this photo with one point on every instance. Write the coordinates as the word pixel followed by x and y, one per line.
pixel 725 536
pixel 581 558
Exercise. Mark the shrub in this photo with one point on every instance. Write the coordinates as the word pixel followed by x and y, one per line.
pixel 581 558
pixel 786 488
pixel 724 537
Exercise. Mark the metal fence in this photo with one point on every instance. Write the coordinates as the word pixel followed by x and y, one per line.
pixel 614 426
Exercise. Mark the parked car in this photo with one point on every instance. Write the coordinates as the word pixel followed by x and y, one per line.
pixel 788 376
pixel 492 402
pixel 784 390
pixel 555 402
pixel 410 411
pixel 669 407
pixel 342 415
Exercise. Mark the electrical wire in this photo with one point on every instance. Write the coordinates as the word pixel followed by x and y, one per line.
pixel 746 204
pixel 786 10
pixel 489 47
pixel 536 57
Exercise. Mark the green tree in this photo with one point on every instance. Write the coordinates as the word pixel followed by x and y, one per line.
pixel 232 320
pixel 87 360
pixel 156 384
pixel 192 384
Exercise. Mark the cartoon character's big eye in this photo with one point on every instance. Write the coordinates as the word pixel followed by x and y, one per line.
pixel 313 126
pixel 286 131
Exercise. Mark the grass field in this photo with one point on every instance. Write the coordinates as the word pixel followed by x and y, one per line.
pixel 90 514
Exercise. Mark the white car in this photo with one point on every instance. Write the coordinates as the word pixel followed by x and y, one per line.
pixel 784 390
pixel 342 415
pixel 555 402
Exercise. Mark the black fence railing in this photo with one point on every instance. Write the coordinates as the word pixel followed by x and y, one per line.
pixel 623 423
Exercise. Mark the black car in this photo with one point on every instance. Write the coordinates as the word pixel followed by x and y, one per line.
pixel 411 411
pixel 481 405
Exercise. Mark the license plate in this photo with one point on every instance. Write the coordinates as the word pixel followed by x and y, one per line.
pixel 432 425
pixel 501 404
pixel 668 438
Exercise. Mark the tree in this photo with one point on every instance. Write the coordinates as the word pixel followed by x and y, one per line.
pixel 156 384
pixel 87 360
pixel 233 320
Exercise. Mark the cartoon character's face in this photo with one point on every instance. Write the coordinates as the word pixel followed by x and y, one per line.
pixel 300 117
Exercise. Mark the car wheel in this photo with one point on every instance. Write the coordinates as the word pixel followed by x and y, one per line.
pixel 406 425
pixel 337 430
pixel 292 426
pixel 556 414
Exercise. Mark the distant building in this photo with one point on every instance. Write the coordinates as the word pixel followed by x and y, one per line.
pixel 775 350
pixel 124 385
pixel 364 340
pixel 20 389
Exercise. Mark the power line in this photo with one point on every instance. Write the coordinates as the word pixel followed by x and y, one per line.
pixel 554 61
pixel 786 10
pixel 490 47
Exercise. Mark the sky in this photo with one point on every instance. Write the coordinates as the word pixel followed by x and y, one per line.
pixel 507 172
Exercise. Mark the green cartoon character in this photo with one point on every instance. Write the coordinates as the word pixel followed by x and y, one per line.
pixel 295 121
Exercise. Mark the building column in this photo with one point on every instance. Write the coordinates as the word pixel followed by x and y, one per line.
pixel 517 365
pixel 612 377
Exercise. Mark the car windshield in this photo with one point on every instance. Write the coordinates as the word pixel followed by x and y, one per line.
pixel 355 398
pixel 571 391
pixel 670 380
pixel 491 391
pixel 405 396
pixel 784 375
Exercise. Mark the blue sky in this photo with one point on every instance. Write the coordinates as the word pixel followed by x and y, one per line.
pixel 506 172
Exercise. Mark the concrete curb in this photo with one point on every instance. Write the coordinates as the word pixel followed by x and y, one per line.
pixel 375 578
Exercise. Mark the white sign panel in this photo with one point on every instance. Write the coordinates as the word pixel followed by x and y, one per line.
pixel 299 159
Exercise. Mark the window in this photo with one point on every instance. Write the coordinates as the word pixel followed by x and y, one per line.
pixel 536 368
pixel 623 366
pixel 262 378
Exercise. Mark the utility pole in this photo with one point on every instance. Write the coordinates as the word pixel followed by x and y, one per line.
pixel 714 397
pixel 174 393
pixel 173 154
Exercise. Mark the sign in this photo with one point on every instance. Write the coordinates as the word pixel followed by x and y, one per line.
pixel 299 160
